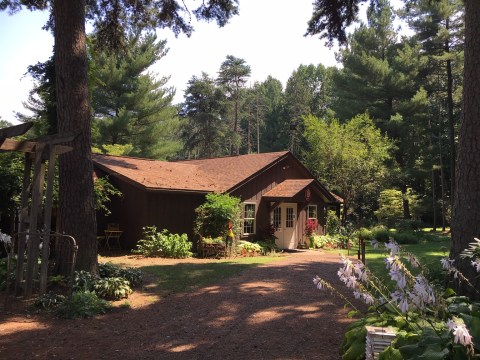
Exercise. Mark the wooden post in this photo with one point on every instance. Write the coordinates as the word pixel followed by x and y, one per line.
pixel 47 220
pixel 34 238
pixel 363 252
pixel 22 223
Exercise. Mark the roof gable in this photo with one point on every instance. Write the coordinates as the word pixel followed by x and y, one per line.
pixel 205 175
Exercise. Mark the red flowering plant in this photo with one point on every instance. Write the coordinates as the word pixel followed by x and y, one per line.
pixel 310 227
pixel 270 232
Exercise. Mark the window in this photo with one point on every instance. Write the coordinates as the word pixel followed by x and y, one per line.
pixel 248 219
pixel 277 217
pixel 290 217
pixel 312 212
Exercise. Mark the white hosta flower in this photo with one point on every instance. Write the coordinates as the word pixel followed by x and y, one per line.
pixel 422 292
pixel 403 306
pixel 369 300
pixel 399 278
pixel 413 260
pixel 360 270
pixel 6 239
pixel 318 283
pixel 447 263
pixel 460 332
pixel 476 264
pixel 374 243
pixel 451 324
pixel 392 246
pixel 357 294
pixel 351 282
pixel 400 298
pixel 462 336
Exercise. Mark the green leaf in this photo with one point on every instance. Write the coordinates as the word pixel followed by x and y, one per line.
pixel 390 353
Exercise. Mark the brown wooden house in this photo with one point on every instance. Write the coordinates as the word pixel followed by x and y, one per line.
pixel 275 188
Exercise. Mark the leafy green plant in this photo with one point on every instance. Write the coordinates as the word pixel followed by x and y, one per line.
pixel 49 301
pixel 163 244
pixel 215 214
pixel 84 281
pixel 406 237
pixel 268 247
pixel 409 225
pixel 113 288
pixel 103 191
pixel 332 223
pixel 380 233
pixel 82 304
pixel 247 248
pixel 326 241
pixel 134 276
pixel 5 276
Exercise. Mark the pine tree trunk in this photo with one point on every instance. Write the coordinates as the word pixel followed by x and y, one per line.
pixel 466 210
pixel 76 173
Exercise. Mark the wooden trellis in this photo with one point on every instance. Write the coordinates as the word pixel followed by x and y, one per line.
pixel 32 228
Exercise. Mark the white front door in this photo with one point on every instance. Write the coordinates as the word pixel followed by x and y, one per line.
pixel 284 218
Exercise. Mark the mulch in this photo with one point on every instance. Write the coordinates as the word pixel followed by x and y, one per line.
pixel 272 311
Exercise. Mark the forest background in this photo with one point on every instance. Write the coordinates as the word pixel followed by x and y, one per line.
pixel 380 131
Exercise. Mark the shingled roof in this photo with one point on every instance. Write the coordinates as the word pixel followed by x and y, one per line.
pixel 206 175
pixel 288 188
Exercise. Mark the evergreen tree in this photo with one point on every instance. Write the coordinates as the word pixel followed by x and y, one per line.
pixel 130 105
pixel 73 110
pixel 438 26
pixel 233 76
pixel 308 92
pixel 274 133
pixel 204 131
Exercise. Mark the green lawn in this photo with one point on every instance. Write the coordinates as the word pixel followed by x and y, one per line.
pixel 429 251
pixel 183 277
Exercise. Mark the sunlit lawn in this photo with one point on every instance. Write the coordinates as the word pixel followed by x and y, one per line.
pixel 429 252
pixel 183 277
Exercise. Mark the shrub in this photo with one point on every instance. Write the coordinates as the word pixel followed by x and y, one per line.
pixel 268 247
pixel 364 234
pixel 380 233
pixel 326 241
pixel 409 225
pixel 4 277
pixel 215 214
pixel 163 244
pixel 247 248
pixel 49 301
pixel 217 240
pixel 406 237
pixel 333 223
pixel 84 281
pixel 113 288
pixel 108 270
pixel 82 304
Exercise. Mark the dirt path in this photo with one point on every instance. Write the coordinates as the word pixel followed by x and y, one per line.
pixel 269 312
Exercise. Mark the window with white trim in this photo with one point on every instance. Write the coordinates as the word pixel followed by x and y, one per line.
pixel 312 212
pixel 277 217
pixel 248 218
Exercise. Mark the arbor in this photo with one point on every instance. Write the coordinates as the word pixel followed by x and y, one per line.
pixel 349 158
pixel 233 75
pixel 330 18
pixel 131 105
pixel 112 21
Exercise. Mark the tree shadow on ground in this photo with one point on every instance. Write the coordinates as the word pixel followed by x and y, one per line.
pixel 271 311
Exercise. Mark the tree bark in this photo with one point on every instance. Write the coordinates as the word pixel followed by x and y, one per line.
pixel 76 171
pixel 466 210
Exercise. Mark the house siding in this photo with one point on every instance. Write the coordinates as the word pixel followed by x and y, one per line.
pixel 252 191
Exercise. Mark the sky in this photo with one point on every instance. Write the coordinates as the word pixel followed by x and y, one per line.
pixel 268 35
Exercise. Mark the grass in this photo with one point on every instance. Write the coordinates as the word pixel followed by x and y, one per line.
pixel 429 251
pixel 183 277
